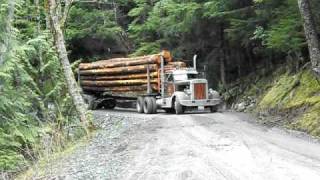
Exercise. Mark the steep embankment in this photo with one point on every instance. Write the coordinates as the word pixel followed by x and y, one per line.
pixel 281 98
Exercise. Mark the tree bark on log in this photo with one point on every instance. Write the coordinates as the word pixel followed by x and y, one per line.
pixel 310 33
pixel 124 63
pixel 122 77
pixel 120 89
pixel 117 83
pixel 166 55
pixel 73 89
pixel 120 70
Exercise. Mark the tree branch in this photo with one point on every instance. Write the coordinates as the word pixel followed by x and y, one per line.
pixel 66 9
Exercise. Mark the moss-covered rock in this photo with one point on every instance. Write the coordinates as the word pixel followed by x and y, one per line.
pixel 294 97
pixel 277 96
pixel 309 121
pixel 292 91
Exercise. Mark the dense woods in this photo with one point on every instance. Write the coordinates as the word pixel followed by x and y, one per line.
pixel 41 42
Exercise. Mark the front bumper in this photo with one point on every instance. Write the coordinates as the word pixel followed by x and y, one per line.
pixel 202 102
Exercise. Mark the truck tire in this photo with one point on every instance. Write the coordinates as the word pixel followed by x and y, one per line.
pixel 154 105
pixel 214 109
pixel 179 109
pixel 140 103
pixel 109 103
pixel 169 110
pixel 148 105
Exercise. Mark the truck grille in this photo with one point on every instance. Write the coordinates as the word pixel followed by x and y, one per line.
pixel 200 91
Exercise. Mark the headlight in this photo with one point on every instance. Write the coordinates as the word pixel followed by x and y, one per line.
pixel 187 91
pixel 211 91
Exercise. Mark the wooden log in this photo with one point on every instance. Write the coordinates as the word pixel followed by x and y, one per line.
pixel 120 70
pixel 124 63
pixel 121 62
pixel 120 77
pixel 120 89
pixel 179 64
pixel 117 82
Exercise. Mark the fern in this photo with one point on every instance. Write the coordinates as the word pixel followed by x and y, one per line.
pixel 32 89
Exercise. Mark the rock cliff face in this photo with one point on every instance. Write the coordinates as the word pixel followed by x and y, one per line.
pixel 286 99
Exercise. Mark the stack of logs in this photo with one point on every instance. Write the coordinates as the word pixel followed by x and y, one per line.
pixel 125 75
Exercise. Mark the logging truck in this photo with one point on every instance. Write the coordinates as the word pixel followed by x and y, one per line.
pixel 151 82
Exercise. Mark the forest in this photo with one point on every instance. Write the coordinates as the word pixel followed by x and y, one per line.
pixel 43 41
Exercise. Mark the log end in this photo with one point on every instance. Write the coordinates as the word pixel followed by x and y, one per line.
pixel 166 55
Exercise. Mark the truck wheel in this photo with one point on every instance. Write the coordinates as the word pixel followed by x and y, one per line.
pixel 169 110
pixel 140 103
pixel 213 109
pixel 148 105
pixel 109 103
pixel 178 107
pixel 154 105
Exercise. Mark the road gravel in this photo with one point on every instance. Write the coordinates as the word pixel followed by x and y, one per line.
pixel 193 146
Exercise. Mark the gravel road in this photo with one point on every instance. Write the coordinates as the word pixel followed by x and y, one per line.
pixel 192 146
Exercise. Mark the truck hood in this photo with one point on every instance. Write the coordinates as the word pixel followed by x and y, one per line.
pixel 192 81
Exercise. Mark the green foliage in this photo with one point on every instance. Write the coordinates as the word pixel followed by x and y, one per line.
pixel 309 122
pixel 33 98
pixel 147 48
pixel 276 96
pixel 91 22
pixel 165 21
pixel 286 31
pixel 216 8
pixel 289 93
pixel 292 92
pixel 33 94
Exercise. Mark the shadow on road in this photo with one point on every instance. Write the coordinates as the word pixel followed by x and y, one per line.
pixel 159 111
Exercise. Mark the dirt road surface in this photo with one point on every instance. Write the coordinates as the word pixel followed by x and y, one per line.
pixel 191 146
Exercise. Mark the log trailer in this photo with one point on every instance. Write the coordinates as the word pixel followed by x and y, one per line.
pixel 152 82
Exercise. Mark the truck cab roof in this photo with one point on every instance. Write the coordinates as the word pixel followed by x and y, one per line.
pixel 185 71
pixel 185 74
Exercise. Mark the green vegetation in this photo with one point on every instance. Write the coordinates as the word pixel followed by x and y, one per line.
pixel 35 108
pixel 295 97
pixel 236 40
pixel 310 121
pixel 292 91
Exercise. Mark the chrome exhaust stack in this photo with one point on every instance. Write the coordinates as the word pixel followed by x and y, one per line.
pixel 195 61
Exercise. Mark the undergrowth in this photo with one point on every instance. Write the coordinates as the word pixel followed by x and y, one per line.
pixel 293 96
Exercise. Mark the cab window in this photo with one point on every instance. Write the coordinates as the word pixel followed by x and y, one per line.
pixel 169 77
pixel 192 76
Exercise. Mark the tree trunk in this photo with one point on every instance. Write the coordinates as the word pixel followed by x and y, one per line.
pixel 311 33
pixel 73 89
pixel 222 58
pixel 239 60
pixel 250 58
pixel 65 13
pixel 223 73
pixel 5 47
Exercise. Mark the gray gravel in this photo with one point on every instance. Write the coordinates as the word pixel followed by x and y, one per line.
pixel 103 156
pixel 191 146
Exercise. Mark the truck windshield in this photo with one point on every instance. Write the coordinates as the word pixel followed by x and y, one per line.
pixel 184 77
pixel 180 77
pixel 192 76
